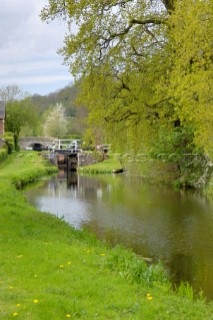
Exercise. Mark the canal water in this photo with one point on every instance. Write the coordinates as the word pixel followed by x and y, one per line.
pixel 157 223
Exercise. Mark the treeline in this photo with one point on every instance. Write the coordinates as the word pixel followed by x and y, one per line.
pixel 73 114
pixel 54 115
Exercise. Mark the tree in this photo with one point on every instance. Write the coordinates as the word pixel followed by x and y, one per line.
pixel 114 52
pixel 144 66
pixel 112 32
pixel 56 122
pixel 12 92
pixel 18 115
pixel 190 80
pixel 19 110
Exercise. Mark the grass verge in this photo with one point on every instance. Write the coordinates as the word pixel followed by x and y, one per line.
pixel 49 271
pixel 111 165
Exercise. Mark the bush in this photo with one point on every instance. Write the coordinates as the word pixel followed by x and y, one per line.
pixel 3 153
pixel 177 146
pixel 9 138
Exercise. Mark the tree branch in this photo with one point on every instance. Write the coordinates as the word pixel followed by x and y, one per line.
pixel 156 20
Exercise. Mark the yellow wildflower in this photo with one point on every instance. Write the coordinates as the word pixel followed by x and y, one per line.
pixel 35 300
pixel 68 315
pixel 102 254
pixel 69 262
pixel 18 305
pixel 15 314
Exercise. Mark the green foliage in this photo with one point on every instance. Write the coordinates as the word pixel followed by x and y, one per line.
pixel 7 147
pixel 20 113
pixel 3 154
pixel 178 146
pixel 9 138
pixel 190 79
pixel 67 97
pixel 185 291
pixel 143 66
pixel 135 269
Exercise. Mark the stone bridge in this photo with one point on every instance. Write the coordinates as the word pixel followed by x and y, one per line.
pixel 29 141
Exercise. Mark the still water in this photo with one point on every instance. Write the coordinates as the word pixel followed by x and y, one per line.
pixel 176 227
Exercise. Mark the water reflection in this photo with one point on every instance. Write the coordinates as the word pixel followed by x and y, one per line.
pixel 157 223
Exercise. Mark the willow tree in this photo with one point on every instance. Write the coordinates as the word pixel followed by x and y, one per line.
pixel 131 57
pixel 191 76
pixel 114 49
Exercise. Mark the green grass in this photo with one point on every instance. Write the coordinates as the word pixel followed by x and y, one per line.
pixel 49 271
pixel 25 167
pixel 111 165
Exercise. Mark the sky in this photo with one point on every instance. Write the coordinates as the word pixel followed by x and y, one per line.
pixel 28 48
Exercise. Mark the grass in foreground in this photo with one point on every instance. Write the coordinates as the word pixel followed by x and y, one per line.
pixel 49 271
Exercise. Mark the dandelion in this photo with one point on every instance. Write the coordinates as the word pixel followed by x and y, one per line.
pixel 68 315
pixel 149 296
pixel 69 263
pixel 102 254
pixel 15 314
pixel 61 266
pixel 11 287
pixel 18 305
pixel 35 300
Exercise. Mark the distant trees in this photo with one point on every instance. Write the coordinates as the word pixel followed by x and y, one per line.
pixel 55 124
pixel 12 92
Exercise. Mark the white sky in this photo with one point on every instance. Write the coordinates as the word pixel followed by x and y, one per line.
pixel 28 48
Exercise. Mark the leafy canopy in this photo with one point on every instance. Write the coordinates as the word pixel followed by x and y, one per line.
pixel 143 65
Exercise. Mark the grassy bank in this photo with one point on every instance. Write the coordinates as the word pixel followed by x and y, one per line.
pixel 49 271
pixel 111 165
pixel 152 172
pixel 25 167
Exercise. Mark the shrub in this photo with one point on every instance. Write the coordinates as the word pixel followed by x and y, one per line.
pixel 9 138
pixel 177 146
pixel 3 153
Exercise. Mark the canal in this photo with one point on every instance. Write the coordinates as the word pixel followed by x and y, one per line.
pixel 157 223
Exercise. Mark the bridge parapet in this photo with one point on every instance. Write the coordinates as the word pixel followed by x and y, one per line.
pixel 28 141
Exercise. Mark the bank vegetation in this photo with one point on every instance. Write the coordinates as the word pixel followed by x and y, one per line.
pixel 49 270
